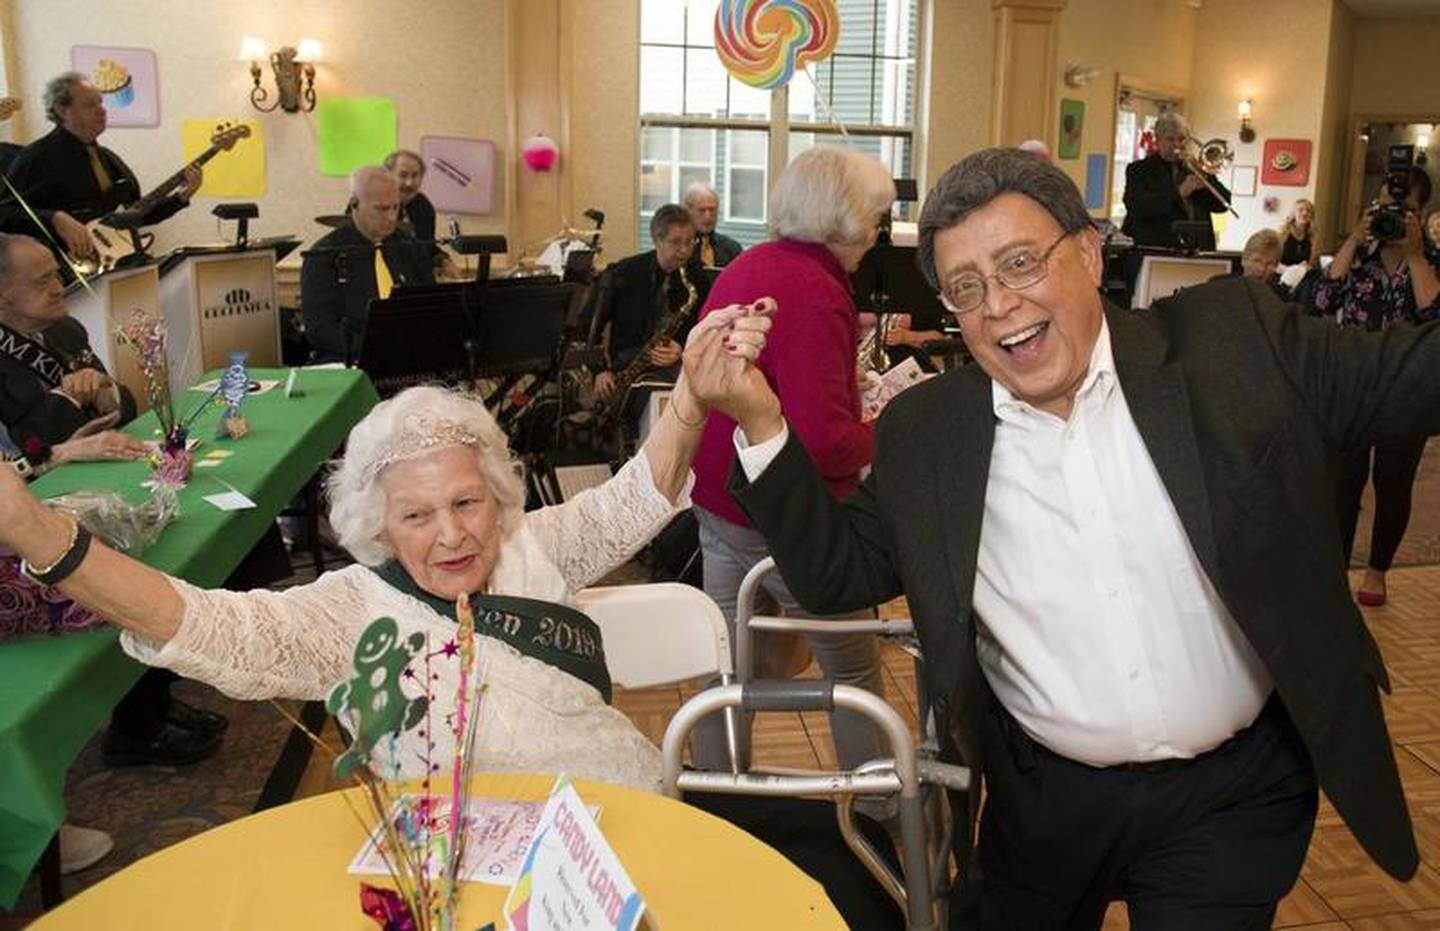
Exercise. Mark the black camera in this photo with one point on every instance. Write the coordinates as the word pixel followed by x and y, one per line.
pixel 1389 222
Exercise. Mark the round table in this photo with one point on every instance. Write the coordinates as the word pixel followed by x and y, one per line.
pixel 286 868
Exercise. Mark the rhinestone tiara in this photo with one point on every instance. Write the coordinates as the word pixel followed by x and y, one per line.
pixel 420 433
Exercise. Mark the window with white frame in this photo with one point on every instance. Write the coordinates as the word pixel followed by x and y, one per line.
pixel 671 159
pixel 698 123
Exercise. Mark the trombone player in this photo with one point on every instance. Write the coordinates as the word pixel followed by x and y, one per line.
pixel 1165 188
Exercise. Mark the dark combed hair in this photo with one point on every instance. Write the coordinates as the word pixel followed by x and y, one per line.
pixel 983 176
pixel 667 216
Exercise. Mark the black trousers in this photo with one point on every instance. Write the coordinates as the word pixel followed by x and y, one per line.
pixel 1211 843
pixel 1396 460
pixel 141 713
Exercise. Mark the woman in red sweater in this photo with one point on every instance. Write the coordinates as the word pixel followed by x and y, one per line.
pixel 825 211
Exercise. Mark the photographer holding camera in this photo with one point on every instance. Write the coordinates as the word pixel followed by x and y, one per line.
pixel 1383 276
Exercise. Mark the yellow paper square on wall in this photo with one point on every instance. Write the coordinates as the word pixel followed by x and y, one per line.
pixel 239 172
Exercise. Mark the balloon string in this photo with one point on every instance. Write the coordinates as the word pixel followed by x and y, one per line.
pixel 825 103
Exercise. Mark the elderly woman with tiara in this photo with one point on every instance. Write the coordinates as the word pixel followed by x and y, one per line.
pixel 429 501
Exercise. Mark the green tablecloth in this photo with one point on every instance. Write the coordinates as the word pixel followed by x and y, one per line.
pixel 56 691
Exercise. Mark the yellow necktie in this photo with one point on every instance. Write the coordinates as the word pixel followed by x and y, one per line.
pixel 384 283
pixel 707 252
pixel 102 177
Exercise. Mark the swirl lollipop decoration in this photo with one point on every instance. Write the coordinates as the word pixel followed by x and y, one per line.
pixel 763 42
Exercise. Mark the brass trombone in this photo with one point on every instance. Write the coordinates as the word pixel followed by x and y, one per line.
pixel 1206 159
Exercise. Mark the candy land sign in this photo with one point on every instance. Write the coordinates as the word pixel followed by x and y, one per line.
pixel 571 879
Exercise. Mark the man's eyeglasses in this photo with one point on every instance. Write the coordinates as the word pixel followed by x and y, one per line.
pixel 1016 272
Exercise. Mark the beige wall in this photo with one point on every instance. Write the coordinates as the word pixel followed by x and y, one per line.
pixel 445 70
pixel 955 117
pixel 1394 70
pixel 1333 140
pixel 604 116
pixel 1285 79
pixel 1152 41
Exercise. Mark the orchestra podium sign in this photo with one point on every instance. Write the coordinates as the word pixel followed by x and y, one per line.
pixel 217 303
pixel 113 297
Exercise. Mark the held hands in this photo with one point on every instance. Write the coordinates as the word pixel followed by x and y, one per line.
pixel 1190 185
pixel 720 370
pixel 604 385
pixel 73 234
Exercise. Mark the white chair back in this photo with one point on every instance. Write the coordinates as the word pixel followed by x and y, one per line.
pixel 659 633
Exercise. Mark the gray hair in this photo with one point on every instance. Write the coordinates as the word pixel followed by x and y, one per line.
pixel 695 191
pixel 666 217
pixel 393 159
pixel 983 176
pixel 363 176
pixel 1262 242
pixel 357 502
pixel 830 195
pixel 60 92
pixel 8 242
pixel 1171 121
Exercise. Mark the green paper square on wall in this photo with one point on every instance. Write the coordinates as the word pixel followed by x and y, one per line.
pixel 353 131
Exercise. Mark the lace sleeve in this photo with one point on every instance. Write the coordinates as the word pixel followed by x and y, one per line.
pixel 261 644
pixel 602 527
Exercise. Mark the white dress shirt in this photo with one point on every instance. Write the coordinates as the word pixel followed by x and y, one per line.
pixel 1099 630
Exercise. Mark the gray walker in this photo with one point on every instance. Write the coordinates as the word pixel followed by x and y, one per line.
pixel 912 775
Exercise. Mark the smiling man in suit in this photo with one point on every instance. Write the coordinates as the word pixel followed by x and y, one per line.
pixel 1129 590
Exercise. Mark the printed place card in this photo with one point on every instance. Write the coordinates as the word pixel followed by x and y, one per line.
pixel 571 879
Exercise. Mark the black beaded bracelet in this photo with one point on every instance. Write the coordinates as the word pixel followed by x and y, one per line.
pixel 62 568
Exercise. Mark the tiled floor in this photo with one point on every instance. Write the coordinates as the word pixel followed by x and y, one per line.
pixel 1339 887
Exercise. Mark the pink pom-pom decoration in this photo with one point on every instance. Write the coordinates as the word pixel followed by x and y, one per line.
pixel 540 153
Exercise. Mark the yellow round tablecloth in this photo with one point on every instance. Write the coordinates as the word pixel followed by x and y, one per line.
pixel 286 868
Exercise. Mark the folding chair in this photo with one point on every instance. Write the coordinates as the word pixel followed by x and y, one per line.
pixel 662 633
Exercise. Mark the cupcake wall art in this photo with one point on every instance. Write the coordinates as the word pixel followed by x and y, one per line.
pixel 126 79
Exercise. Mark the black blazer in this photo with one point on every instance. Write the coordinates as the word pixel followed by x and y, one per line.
pixel 337 284
pixel 54 173
pixel 628 300
pixel 1153 202
pixel 30 409
pixel 1241 403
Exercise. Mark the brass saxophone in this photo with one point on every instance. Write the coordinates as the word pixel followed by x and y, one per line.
pixel 664 333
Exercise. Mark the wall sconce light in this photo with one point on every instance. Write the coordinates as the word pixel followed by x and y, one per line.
pixel 1247 132
pixel 1079 75
pixel 294 71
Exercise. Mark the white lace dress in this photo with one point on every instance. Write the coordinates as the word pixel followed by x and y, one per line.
pixel 299 643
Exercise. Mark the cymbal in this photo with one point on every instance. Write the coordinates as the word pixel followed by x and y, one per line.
pixel 333 220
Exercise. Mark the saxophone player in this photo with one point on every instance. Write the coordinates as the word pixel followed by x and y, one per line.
pixel 637 295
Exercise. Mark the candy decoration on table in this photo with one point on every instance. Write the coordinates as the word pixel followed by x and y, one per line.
pixel 763 42
pixel 145 334
pixel 422 838
pixel 372 698
pixel 234 385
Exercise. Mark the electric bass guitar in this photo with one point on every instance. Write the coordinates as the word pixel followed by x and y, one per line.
pixel 114 234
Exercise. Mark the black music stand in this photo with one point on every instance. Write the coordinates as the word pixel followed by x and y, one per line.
pixel 416 340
